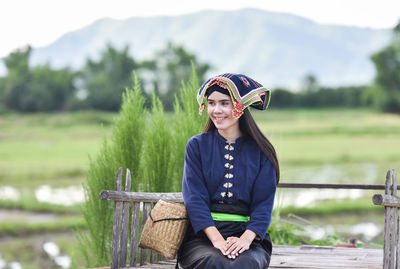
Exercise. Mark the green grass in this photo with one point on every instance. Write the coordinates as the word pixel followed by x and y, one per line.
pixel 322 145
pixel 54 148
pixel 356 146
pixel 49 147
pixel 27 203
pixel 349 140
pixel 328 207
pixel 63 223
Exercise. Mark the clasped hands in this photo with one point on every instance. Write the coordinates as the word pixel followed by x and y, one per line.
pixel 236 246
pixel 233 246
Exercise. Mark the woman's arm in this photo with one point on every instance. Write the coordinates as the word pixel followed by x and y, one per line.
pixel 262 199
pixel 194 191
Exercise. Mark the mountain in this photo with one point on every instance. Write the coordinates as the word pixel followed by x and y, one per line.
pixel 277 49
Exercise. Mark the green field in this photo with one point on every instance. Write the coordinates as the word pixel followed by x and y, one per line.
pixel 315 146
pixel 49 148
pixel 357 145
pixel 335 146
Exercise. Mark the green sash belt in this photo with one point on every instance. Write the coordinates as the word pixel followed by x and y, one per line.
pixel 229 217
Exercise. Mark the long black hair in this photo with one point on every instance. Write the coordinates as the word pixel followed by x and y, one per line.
pixel 249 127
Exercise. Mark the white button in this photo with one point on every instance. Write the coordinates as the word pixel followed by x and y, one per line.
pixel 229 147
pixel 230 194
pixel 228 185
pixel 227 165
pixel 231 167
pixel 228 175
pixel 228 157
pixel 223 194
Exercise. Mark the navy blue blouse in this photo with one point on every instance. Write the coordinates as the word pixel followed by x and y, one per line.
pixel 216 170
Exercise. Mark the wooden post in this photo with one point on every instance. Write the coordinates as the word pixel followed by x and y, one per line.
pixel 396 249
pixel 125 222
pixel 153 255
pixel 390 244
pixel 117 224
pixel 143 252
pixel 134 233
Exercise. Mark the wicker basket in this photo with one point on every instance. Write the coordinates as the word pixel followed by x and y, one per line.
pixel 165 228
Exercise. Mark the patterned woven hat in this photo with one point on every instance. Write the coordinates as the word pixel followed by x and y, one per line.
pixel 243 90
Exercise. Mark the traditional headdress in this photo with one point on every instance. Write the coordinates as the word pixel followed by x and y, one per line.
pixel 243 90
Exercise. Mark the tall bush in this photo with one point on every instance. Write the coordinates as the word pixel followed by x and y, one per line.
pixel 157 155
pixel 123 150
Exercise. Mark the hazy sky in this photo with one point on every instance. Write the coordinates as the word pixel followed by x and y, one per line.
pixel 40 22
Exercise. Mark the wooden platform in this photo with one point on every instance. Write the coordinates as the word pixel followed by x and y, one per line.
pixel 325 257
pixel 311 257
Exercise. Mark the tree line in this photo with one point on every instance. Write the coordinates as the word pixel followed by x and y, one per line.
pixel 100 83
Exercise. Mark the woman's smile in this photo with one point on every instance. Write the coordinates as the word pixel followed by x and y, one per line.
pixel 219 119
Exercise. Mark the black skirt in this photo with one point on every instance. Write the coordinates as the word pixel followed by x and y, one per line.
pixel 197 251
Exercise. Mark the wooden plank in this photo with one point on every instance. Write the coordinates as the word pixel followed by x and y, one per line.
pixel 143 252
pixel 125 221
pixel 177 196
pixel 153 257
pixel 134 233
pixel 117 223
pixel 141 196
pixel 311 249
pixel 386 244
pixel 398 239
pixel 386 200
pixel 392 223
pixel 395 249
pixel 332 186
pixel 325 257
pixel 162 265
pixel 394 183
pixel 310 257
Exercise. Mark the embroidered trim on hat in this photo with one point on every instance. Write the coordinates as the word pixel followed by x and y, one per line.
pixel 237 110
pixel 260 96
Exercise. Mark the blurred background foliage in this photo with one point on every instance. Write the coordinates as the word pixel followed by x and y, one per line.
pixel 100 83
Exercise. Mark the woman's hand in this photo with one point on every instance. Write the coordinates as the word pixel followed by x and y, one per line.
pixel 221 245
pixel 216 238
pixel 237 245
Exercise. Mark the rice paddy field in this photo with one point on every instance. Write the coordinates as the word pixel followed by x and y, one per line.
pixel 46 156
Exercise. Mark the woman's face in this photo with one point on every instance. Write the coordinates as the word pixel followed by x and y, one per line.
pixel 219 110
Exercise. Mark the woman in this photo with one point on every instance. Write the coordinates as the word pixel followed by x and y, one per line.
pixel 229 181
